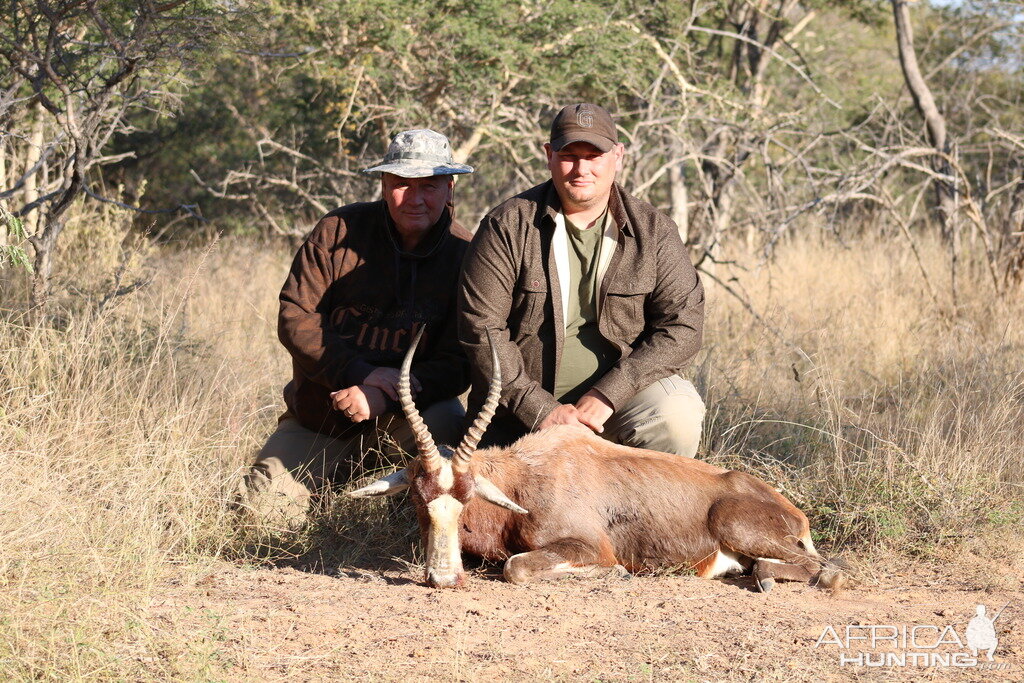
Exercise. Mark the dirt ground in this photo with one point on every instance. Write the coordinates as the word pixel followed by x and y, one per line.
pixel 280 624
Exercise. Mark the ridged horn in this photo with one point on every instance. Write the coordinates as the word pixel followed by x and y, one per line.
pixel 429 455
pixel 464 453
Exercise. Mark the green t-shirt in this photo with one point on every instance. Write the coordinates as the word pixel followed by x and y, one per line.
pixel 586 354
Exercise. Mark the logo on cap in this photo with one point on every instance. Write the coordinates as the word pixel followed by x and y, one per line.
pixel 585 118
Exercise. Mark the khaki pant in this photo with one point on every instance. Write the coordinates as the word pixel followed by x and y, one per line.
pixel 296 463
pixel 667 416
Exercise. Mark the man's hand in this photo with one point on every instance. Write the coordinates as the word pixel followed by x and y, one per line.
pixel 360 402
pixel 564 414
pixel 593 410
pixel 386 379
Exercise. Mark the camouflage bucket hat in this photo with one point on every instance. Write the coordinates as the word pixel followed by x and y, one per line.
pixel 419 154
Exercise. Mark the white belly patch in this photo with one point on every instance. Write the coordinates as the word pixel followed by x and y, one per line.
pixel 725 563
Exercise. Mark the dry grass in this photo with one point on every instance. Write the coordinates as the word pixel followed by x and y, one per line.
pixel 900 426
pixel 122 434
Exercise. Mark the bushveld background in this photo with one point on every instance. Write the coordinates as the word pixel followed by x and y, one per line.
pixel 158 163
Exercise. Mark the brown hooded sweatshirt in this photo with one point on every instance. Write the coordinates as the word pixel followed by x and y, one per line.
pixel 354 301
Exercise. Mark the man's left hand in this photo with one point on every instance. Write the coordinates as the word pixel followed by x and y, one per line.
pixel 593 409
pixel 386 379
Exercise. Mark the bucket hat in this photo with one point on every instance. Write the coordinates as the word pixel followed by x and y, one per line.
pixel 419 154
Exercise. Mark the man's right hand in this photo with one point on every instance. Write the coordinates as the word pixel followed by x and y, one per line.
pixel 564 414
pixel 359 403
pixel 386 379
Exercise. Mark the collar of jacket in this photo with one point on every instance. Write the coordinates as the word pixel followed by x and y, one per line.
pixel 553 219
pixel 430 244
pixel 552 206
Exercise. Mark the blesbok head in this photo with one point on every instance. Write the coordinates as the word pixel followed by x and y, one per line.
pixel 440 480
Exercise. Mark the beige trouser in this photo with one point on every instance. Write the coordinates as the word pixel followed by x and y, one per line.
pixel 296 463
pixel 667 416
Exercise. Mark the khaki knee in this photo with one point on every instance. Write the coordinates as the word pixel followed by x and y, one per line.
pixel 668 416
pixel 292 467
pixel 279 502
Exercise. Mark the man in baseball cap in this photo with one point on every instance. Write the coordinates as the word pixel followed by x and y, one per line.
pixel 367 279
pixel 591 299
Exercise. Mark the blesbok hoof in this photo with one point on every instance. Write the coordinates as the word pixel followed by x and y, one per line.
pixel 765 585
pixel 833 578
pixel 515 572
pixel 620 572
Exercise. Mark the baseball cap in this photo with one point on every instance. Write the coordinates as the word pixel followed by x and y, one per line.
pixel 583 122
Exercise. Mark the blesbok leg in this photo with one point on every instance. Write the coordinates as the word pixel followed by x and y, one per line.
pixel 765 573
pixel 771 534
pixel 563 557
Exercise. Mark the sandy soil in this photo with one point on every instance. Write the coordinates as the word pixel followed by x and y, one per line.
pixel 355 624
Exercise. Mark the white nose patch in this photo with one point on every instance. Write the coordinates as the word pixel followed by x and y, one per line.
pixel 444 556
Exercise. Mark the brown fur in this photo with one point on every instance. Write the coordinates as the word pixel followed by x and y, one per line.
pixel 592 502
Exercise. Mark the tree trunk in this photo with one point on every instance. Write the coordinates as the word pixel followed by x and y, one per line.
pixel 3 184
pixel 945 192
pixel 1015 230
pixel 34 151
pixel 45 243
pixel 678 199
pixel 42 269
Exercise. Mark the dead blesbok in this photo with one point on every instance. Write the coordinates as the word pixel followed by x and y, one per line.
pixel 565 500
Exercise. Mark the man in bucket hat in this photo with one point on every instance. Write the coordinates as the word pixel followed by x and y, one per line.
pixel 591 298
pixel 367 278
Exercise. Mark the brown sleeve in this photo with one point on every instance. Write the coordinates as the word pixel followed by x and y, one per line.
pixel 673 325
pixel 322 355
pixel 485 301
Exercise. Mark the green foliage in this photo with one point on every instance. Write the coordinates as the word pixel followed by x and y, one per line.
pixel 283 114
pixel 13 255
pixel 1011 515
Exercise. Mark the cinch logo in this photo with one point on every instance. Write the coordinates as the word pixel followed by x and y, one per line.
pixel 921 645
pixel 368 329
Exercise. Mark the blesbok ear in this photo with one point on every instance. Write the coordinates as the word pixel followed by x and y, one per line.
pixel 492 494
pixel 386 486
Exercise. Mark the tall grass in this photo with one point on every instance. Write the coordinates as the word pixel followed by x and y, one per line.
pixel 900 424
pixel 123 432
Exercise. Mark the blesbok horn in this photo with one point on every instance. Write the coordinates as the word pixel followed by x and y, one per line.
pixel 430 457
pixel 486 489
pixel 464 453
pixel 387 486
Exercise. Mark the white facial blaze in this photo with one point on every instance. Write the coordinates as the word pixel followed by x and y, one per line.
pixel 446 478
pixel 444 556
